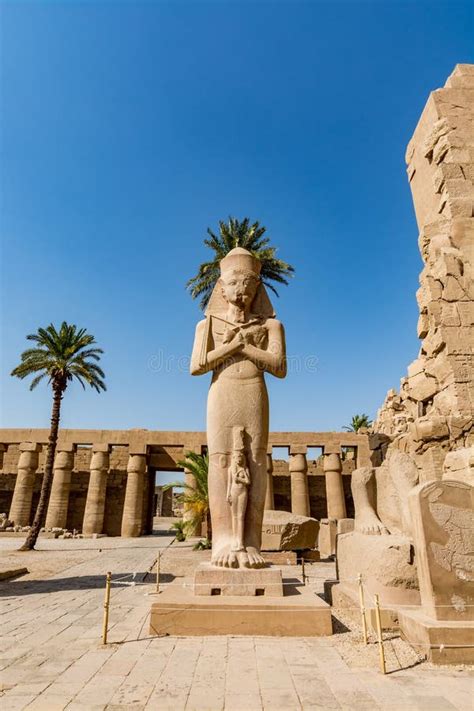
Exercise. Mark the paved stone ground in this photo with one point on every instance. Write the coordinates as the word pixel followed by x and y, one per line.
pixel 51 656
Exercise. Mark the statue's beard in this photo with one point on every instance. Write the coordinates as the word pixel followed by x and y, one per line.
pixel 241 301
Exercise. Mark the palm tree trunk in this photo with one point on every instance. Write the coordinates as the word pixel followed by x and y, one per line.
pixel 29 544
pixel 209 525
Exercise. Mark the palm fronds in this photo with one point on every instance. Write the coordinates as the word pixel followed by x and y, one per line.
pixel 238 234
pixel 357 422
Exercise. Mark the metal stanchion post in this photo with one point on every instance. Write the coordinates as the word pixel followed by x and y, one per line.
pixel 379 634
pixel 362 607
pixel 158 568
pixel 303 574
pixel 108 579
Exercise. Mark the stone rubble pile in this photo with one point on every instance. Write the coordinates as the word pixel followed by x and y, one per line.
pixel 10 527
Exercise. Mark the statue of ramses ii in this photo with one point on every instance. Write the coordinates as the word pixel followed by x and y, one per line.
pixel 239 340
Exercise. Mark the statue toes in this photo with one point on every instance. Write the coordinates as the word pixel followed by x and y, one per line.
pixel 243 559
pixel 219 560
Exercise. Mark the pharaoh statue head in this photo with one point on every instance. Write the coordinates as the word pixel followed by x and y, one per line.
pixel 240 277
pixel 240 284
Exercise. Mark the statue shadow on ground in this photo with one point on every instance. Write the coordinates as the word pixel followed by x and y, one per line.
pixel 18 588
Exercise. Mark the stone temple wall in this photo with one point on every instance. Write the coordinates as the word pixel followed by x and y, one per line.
pixel 432 414
pixel 104 480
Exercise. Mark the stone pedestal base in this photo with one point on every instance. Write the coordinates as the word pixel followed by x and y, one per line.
pixel 211 580
pixel 424 633
pixel 300 613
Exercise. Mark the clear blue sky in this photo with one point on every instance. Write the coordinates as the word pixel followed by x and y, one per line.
pixel 128 128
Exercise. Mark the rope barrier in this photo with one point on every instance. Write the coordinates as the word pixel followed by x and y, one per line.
pixel 124 581
pixel 143 623
pixel 437 646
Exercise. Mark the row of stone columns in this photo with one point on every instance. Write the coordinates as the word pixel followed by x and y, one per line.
pixel 20 509
pixel 336 503
pixel 56 516
pixel 298 467
pixel 132 518
pixel 94 513
pixel 93 521
pixel 133 506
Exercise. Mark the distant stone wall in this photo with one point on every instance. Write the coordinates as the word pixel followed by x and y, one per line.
pixel 432 414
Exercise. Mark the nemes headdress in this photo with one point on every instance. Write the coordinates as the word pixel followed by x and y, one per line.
pixel 240 260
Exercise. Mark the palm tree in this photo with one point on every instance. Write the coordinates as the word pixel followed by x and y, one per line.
pixel 195 497
pixel 357 422
pixel 60 356
pixel 238 234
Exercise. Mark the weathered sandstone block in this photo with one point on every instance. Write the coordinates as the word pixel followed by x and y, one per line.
pixel 285 531
pixel 386 562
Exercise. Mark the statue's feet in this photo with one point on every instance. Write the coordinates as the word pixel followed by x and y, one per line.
pixel 237 545
pixel 256 559
pixel 225 558
pixel 370 525
pixel 243 558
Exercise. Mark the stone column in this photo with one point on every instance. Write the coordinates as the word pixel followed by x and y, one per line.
pixel 20 509
pixel 59 497
pixel 334 490
pixel 269 497
pixel 93 521
pixel 133 505
pixel 299 484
